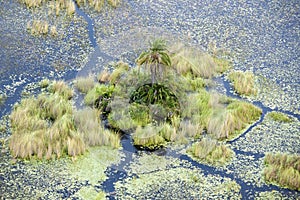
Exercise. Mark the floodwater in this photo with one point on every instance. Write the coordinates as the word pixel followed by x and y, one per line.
pixel 260 36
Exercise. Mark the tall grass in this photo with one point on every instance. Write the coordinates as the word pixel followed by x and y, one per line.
pixel 93 133
pixel 48 126
pixel 243 82
pixel 84 84
pixel 279 117
pixel 98 4
pixel 209 151
pixel 148 137
pixel 61 88
pixel 188 60
pixel 283 169
pixel 38 27
pixel 225 123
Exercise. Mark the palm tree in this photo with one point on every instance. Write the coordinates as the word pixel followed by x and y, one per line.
pixel 156 58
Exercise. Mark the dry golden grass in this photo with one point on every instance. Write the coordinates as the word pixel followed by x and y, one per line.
pixel 46 127
pixel 225 123
pixel 38 27
pixel 61 88
pixel 243 82
pixel 188 60
pixel 283 169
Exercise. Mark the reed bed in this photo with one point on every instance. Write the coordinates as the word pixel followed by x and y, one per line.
pixel 49 127
pixel 283 169
pixel 243 82
pixel 211 152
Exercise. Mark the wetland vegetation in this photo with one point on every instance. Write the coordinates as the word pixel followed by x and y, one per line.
pixel 110 100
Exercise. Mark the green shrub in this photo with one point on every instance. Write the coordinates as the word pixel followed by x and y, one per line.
pixel 99 96
pixel 283 169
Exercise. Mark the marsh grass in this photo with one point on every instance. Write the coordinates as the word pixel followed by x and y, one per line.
pixel 243 82
pixel 120 68
pixel 226 123
pixel 84 84
pixel 148 137
pixel 38 27
pixel 61 88
pixel 188 60
pixel 283 169
pixel 44 83
pixel 209 151
pixel 47 126
pixel 93 133
pixel 279 117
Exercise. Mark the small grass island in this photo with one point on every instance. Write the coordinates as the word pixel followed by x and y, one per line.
pixel 161 101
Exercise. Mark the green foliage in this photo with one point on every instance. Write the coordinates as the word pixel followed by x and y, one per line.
pixel 99 96
pixel 243 82
pixel 209 151
pixel 139 113
pixel 279 117
pixel 156 59
pixel 283 169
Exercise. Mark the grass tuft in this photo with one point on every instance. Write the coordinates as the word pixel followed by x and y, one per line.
pixel 279 117
pixel 148 137
pixel 84 84
pixel 283 169
pixel 46 126
pixel 209 151
pixel 243 82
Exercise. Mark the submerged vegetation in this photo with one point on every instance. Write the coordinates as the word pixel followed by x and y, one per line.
pixel 48 126
pixel 243 82
pixel 283 169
